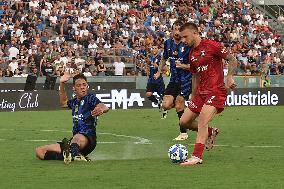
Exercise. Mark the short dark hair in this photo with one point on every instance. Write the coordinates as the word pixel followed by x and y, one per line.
pixel 190 26
pixel 79 76
pixel 177 23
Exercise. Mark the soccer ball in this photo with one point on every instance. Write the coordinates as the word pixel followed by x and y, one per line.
pixel 178 153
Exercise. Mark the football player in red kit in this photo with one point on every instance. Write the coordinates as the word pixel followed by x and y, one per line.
pixel 210 95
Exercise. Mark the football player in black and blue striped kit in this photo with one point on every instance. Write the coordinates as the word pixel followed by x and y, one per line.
pixel 179 87
pixel 154 84
pixel 85 110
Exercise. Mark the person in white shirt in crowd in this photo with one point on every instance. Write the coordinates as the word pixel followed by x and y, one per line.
pixel 87 72
pixel 17 73
pixel 92 46
pixel 14 64
pixel 13 52
pixel 119 67
pixel 45 13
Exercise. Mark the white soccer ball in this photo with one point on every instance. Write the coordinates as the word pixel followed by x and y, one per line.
pixel 178 153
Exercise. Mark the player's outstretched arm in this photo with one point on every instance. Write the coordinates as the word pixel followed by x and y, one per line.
pixel 232 61
pixel 62 93
pixel 100 109
pixel 160 68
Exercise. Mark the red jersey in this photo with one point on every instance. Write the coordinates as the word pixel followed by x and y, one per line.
pixel 206 60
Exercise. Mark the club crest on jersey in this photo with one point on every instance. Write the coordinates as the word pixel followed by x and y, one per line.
pixel 182 49
pixel 202 53
pixel 82 102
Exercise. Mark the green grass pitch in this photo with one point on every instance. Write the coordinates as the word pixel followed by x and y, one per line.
pixel 132 151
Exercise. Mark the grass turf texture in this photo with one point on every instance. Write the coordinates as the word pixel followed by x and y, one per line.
pixel 121 163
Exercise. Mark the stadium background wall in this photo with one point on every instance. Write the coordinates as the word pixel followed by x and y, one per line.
pixel 128 98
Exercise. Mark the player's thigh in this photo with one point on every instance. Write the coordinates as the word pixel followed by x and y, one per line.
pixel 188 117
pixel 179 103
pixel 207 113
pixel 168 101
pixel 41 150
pixel 80 139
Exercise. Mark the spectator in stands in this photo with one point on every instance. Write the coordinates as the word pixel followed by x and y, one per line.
pixel 87 72
pixel 281 18
pixel 13 51
pixel 17 73
pixel 117 25
pixel 14 64
pixel 119 67
pixel 1 72
pixel 49 72
pixel 101 68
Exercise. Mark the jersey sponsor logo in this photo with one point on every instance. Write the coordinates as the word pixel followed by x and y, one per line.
pixel 202 68
pixel 182 49
pixel 78 117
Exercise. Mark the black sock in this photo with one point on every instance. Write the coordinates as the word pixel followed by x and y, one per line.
pixel 182 130
pixel 75 150
pixel 153 99
pixel 51 155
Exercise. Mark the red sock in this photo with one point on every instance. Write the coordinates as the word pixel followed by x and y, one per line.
pixel 198 150
pixel 210 129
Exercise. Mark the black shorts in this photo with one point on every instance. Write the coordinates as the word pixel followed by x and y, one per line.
pixel 92 143
pixel 173 89
pixel 178 89
pixel 156 87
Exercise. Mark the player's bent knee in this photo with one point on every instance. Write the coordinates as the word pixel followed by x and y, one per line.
pixel 80 139
pixel 167 106
pixel 179 104
pixel 40 152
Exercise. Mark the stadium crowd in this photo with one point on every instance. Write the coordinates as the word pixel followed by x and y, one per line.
pixel 86 35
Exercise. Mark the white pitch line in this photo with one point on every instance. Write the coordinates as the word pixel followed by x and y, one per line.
pixel 43 140
pixel 51 130
pixel 40 140
pixel 234 146
pixel 140 139
pixel 263 146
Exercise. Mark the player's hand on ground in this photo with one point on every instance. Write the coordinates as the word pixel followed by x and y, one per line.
pixel 157 75
pixel 97 111
pixel 231 82
pixel 65 77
